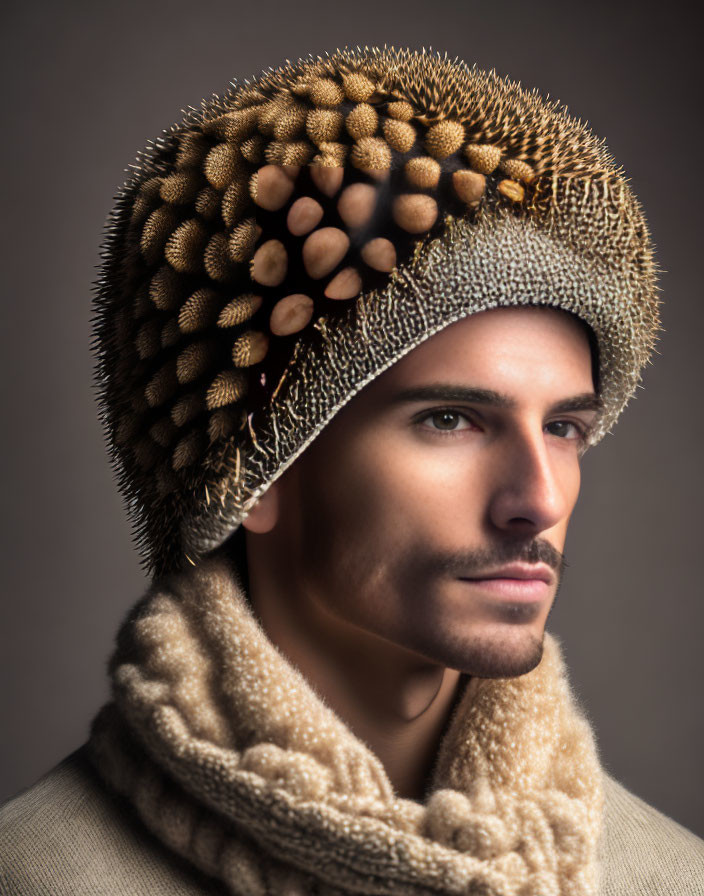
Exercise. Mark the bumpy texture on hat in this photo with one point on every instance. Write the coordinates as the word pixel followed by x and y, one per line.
pixel 283 245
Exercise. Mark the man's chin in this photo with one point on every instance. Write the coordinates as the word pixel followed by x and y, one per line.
pixel 499 655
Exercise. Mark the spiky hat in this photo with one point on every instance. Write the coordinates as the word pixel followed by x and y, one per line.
pixel 280 247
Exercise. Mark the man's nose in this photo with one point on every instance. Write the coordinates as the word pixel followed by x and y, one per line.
pixel 529 494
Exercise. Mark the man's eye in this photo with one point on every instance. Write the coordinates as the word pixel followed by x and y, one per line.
pixel 448 421
pixel 445 420
pixel 562 427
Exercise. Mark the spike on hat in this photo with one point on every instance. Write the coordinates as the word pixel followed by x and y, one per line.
pixel 280 247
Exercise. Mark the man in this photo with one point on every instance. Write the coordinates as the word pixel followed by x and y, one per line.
pixel 421 533
pixel 358 323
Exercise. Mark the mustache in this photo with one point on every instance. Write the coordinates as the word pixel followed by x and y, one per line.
pixel 473 562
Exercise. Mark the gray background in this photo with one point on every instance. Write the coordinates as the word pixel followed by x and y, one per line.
pixel 86 85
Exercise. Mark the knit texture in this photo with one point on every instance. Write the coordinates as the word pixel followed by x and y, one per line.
pixel 234 762
pixel 71 835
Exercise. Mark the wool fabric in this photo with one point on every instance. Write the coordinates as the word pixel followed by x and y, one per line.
pixel 234 762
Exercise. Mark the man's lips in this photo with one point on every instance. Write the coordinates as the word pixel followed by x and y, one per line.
pixel 517 581
pixel 520 571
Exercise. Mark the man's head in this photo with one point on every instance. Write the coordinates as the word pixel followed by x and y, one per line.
pixel 283 247
pixel 461 458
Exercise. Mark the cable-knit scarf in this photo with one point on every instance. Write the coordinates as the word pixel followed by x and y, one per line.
pixel 236 763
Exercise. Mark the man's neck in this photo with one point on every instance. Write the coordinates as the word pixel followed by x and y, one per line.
pixel 394 700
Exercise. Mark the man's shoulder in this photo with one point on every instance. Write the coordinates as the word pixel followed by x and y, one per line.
pixel 645 851
pixel 67 834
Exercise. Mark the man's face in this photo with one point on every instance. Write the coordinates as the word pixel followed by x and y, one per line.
pixel 419 488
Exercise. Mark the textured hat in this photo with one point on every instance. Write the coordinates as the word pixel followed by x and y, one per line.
pixel 284 244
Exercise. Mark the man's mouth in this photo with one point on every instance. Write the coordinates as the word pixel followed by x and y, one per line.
pixel 516 581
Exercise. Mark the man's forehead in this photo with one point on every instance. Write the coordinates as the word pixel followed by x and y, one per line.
pixel 536 341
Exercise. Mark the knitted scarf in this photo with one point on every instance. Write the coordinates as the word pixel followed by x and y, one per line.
pixel 235 762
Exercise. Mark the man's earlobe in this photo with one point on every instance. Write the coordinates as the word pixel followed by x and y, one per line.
pixel 263 516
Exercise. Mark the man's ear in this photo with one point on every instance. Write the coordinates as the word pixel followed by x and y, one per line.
pixel 263 516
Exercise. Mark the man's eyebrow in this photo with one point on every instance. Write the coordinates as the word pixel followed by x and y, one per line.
pixel 586 401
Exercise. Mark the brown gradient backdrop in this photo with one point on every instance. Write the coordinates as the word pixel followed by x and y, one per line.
pixel 86 86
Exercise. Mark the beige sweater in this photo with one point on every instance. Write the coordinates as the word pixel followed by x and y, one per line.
pixel 69 836
pixel 217 769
